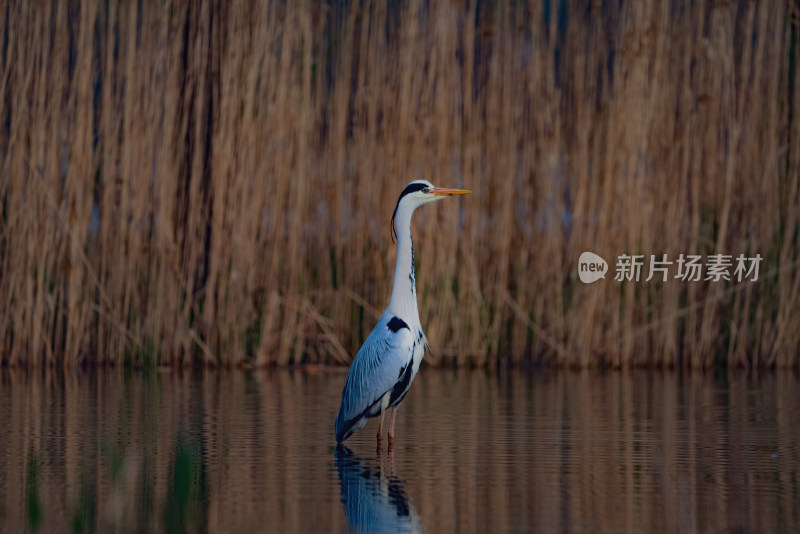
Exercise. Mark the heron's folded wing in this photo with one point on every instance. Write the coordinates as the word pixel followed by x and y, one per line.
pixel 377 367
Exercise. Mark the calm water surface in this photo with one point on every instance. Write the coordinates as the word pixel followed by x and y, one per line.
pixel 543 451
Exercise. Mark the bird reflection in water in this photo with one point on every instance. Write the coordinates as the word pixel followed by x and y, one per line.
pixel 374 500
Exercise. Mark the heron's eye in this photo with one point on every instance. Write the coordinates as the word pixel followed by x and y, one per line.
pixel 424 189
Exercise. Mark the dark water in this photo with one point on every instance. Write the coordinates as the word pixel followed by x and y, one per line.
pixel 545 451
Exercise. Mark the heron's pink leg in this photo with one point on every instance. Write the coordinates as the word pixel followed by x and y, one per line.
pixel 380 426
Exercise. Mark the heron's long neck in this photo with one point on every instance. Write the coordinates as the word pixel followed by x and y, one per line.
pixel 404 293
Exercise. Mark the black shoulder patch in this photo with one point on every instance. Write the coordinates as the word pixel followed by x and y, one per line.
pixel 396 323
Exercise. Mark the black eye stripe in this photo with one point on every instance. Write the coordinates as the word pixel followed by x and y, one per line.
pixel 410 188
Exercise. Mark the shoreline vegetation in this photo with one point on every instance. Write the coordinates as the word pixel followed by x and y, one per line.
pixel 212 183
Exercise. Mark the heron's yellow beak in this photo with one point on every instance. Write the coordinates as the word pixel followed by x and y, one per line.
pixel 444 192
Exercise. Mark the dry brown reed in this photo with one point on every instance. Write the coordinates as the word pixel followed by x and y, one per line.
pixel 210 182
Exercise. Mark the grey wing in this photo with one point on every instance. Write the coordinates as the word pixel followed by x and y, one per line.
pixel 379 365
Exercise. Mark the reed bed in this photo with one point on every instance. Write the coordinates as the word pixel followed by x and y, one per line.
pixel 212 182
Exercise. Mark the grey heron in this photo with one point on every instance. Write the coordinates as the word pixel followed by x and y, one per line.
pixel 385 366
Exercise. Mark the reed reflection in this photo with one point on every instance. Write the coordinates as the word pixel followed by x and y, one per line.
pixel 546 451
pixel 374 500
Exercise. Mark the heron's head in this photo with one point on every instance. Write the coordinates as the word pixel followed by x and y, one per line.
pixel 421 192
